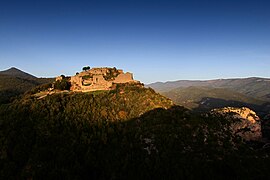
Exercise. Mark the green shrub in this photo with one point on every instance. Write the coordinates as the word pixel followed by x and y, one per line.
pixel 62 85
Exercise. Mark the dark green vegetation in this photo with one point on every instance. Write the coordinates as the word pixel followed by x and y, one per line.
pixel 129 133
pixel 14 82
pixel 86 68
pixel 254 87
pixel 64 84
pixel 87 76
pixel 113 72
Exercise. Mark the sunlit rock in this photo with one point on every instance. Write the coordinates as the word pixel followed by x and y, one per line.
pixel 244 122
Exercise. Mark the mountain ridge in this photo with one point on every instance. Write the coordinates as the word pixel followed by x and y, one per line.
pixel 252 86
pixel 13 71
pixel 14 82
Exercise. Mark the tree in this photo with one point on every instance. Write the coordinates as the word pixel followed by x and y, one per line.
pixel 85 68
pixel 62 85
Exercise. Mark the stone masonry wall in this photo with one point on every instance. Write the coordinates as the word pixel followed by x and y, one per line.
pixel 96 79
pixel 124 78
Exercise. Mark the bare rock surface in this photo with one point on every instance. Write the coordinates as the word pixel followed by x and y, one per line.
pixel 244 122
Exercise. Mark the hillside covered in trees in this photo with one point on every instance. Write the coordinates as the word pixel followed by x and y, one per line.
pixel 128 133
pixel 14 82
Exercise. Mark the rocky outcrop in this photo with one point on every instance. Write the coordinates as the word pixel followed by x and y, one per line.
pixel 243 122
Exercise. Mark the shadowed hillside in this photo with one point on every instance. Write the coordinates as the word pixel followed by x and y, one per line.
pixel 17 73
pixel 207 98
pixel 129 133
pixel 14 82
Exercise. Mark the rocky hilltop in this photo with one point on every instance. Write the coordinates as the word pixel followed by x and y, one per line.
pixel 244 122
pixel 126 131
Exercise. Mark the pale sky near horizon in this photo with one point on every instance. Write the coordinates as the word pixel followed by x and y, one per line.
pixel 157 40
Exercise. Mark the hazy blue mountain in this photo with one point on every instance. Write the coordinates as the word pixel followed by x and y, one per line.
pixel 253 87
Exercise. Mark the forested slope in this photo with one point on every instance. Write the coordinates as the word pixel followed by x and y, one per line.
pixel 129 133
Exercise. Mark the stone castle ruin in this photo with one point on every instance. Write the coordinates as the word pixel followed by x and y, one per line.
pixel 99 79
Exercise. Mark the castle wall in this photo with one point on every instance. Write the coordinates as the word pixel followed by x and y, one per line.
pixel 76 83
pixel 124 78
pixel 76 80
pixel 120 71
pixel 98 83
pixel 98 71
pixel 88 81
pixel 84 73
pixel 97 80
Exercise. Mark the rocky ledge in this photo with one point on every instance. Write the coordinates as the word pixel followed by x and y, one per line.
pixel 244 122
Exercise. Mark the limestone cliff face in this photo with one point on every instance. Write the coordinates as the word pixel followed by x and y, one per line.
pixel 244 122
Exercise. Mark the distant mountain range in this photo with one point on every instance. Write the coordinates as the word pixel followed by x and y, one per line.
pixel 14 82
pixel 254 87
pixel 205 95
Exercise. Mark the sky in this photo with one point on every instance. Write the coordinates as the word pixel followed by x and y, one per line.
pixel 157 40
